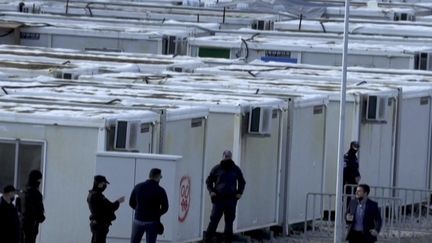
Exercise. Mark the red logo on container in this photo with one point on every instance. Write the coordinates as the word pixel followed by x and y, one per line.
pixel 185 184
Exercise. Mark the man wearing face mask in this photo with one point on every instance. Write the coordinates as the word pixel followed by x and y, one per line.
pixel 101 209
pixel 9 221
pixel 33 208
pixel 351 174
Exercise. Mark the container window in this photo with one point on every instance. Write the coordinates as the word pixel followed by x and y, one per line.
pixel 7 161
pixel 18 158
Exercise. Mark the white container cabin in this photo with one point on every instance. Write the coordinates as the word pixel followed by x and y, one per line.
pixel 62 142
pixel 257 150
pixel 367 52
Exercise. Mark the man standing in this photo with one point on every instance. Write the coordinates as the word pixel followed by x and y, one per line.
pixel 33 208
pixel 351 174
pixel 150 202
pixel 101 209
pixel 363 217
pixel 226 185
pixel 9 221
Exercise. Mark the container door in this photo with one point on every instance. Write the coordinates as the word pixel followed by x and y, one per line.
pixel 260 163
pixel 377 141
pixel 411 171
pixel 306 158
pixel 187 138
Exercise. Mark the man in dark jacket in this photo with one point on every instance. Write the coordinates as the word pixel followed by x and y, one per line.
pixel 33 208
pixel 101 209
pixel 9 221
pixel 363 217
pixel 226 185
pixel 150 202
pixel 351 174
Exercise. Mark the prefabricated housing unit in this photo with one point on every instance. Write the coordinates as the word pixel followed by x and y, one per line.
pixel 256 149
pixel 358 27
pixel 226 18
pixel 178 129
pixel 304 130
pixel 409 54
pixel 411 153
pixel 103 35
pixel 62 142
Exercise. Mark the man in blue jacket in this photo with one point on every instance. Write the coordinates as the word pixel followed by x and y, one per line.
pixel 226 185
pixel 150 202
pixel 363 217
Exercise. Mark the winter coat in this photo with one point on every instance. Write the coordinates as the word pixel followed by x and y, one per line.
pixel 149 200
pixel 351 168
pixel 9 222
pixel 226 180
pixel 33 208
pixel 101 209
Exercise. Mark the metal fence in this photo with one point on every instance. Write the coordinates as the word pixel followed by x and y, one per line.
pixel 319 218
pixel 416 206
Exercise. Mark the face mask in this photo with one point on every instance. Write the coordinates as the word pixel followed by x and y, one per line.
pixel 103 187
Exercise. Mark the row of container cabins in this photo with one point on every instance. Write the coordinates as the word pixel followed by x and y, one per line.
pixel 205 40
pixel 141 68
pixel 295 143
pixel 212 10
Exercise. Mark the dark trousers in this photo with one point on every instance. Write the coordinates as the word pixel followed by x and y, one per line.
pixel 99 232
pixel 139 228
pixel 221 207
pixel 349 192
pixel 358 237
pixel 30 231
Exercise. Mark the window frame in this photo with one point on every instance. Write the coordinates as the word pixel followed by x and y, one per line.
pixel 25 141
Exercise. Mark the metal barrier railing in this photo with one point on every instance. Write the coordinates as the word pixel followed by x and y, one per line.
pixel 319 220
pixel 416 206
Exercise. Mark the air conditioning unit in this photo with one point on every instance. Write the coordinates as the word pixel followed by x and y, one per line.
pixel 73 73
pixel 401 16
pixel 375 108
pixel 126 133
pixel 263 25
pixel 260 120
pixel 423 61
pixel 172 45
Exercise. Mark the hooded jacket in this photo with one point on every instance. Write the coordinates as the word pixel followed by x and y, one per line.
pixel 351 168
pixel 33 208
pixel 226 180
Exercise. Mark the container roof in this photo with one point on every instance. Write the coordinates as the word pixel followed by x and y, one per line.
pixel 55 114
